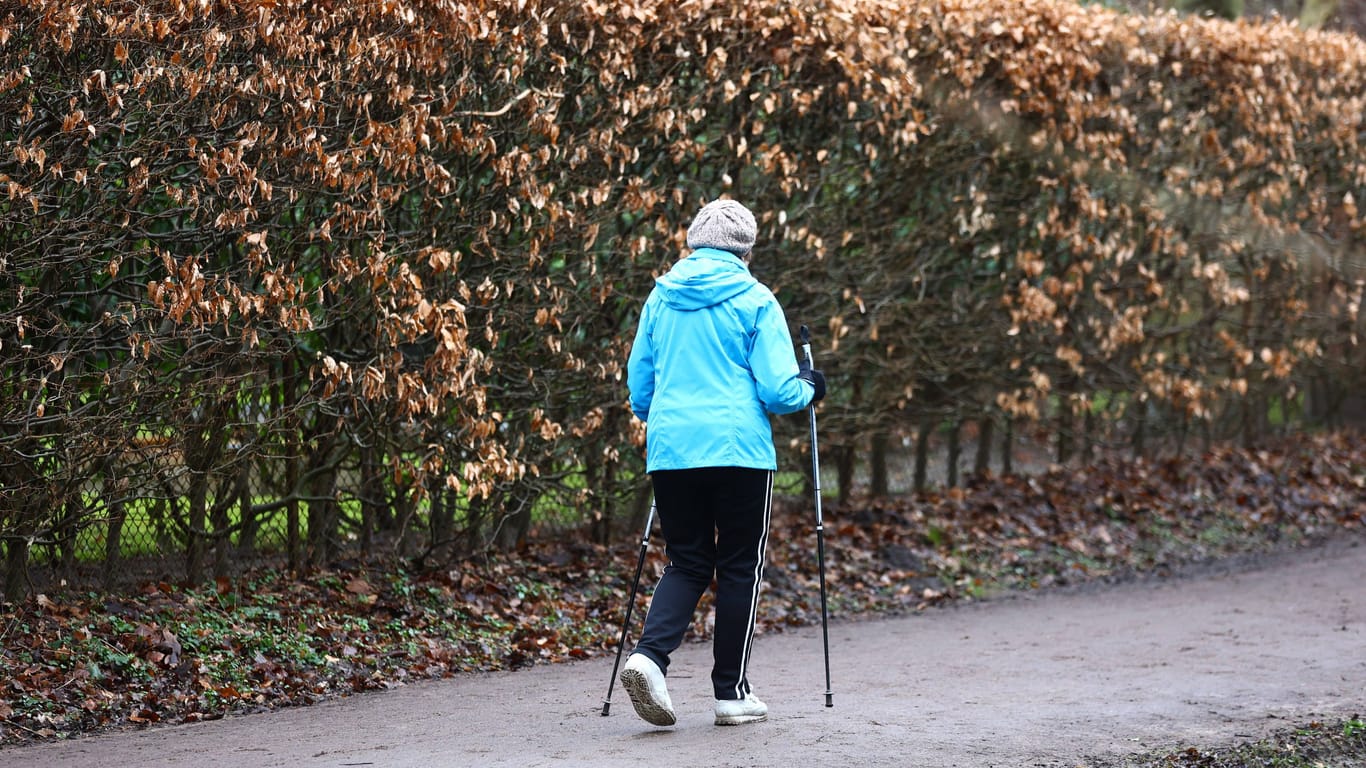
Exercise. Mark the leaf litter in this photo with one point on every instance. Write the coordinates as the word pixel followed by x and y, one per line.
pixel 74 663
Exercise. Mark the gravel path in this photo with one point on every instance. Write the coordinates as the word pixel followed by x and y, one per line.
pixel 1051 679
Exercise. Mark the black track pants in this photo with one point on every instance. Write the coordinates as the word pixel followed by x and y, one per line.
pixel 715 523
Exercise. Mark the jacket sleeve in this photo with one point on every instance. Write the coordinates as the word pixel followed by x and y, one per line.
pixel 774 363
pixel 640 367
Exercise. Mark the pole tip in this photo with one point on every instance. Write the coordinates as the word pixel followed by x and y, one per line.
pixel 607 708
pixel 829 700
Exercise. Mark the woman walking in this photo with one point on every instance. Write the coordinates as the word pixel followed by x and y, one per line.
pixel 712 358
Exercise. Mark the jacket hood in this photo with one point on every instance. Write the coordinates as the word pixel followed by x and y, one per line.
pixel 705 278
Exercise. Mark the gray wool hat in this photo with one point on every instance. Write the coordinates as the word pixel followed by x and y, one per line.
pixel 723 224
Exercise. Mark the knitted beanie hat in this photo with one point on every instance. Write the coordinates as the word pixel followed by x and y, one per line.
pixel 723 224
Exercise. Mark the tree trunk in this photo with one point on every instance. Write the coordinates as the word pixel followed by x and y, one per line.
pixel 844 468
pixel 321 471
pixel 236 495
pixel 322 517
pixel 251 524
pixel 293 536
pixel 372 490
pixel 808 480
pixel 440 523
pixel 113 540
pixel 203 448
pixel 474 521
pixel 1008 447
pixel 1066 429
pixel 512 529
pixel 68 535
pixel 515 526
pixel 877 466
pixel 981 462
pixel 955 453
pixel 405 509
pixel 194 547
pixel 922 453
pixel 16 569
pixel 288 402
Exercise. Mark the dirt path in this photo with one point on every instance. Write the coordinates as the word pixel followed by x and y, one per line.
pixel 1042 680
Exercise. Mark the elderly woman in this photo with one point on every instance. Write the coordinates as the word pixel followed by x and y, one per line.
pixel 712 358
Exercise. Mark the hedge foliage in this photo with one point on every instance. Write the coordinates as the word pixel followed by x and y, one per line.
pixel 372 266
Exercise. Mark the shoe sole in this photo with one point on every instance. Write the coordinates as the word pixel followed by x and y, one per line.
pixel 638 688
pixel 741 719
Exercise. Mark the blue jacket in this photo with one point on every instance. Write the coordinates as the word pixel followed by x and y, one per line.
pixel 712 358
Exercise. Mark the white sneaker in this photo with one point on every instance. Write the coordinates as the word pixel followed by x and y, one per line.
pixel 645 684
pixel 740 711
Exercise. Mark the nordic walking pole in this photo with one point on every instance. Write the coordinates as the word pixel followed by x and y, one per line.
pixel 820 523
pixel 626 621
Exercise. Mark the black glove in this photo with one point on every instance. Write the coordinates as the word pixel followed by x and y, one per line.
pixel 806 373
